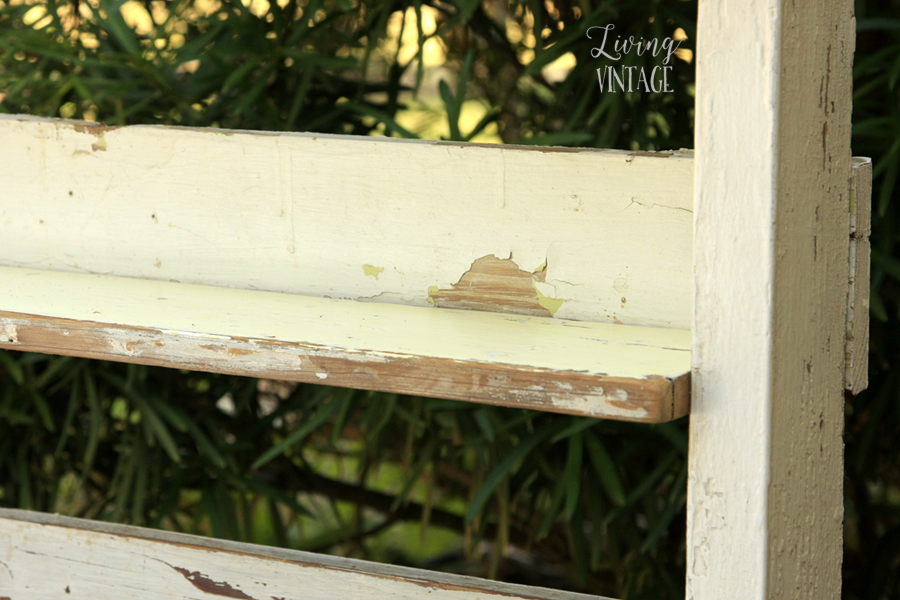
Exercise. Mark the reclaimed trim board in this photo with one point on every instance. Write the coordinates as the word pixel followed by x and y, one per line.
pixel 48 556
pixel 572 233
pixel 586 368
pixel 772 266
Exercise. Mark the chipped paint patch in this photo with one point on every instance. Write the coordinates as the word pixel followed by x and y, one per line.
pixel 551 304
pixel 372 271
pixel 93 128
pixel 97 131
pixel 611 404
pixel 240 352
pixel 207 585
pixel 100 144
pixel 321 375
pixel 494 285
pixel 122 347
pixel 8 333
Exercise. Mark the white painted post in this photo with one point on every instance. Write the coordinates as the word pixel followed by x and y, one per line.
pixel 771 268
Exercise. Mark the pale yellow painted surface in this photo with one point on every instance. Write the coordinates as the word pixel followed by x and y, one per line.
pixel 305 214
pixel 347 325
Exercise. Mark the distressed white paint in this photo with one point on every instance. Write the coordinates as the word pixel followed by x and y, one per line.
pixel 46 556
pixel 8 333
pixel 770 259
pixel 346 326
pixel 319 215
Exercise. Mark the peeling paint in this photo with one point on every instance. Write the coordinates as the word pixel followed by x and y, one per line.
pixel 207 585
pixel 100 144
pixel 321 375
pixel 9 334
pixel 551 304
pixel 432 290
pixel 123 348
pixel 494 285
pixel 240 352
pixel 372 271
pixel 97 129
pixel 613 404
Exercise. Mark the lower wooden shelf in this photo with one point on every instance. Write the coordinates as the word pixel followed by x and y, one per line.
pixel 596 369
pixel 48 556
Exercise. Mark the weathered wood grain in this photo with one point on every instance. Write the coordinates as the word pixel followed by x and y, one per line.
pixel 597 369
pixel 497 285
pixel 47 556
pixel 856 370
pixel 373 219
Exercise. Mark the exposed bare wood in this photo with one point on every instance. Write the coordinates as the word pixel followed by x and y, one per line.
pixel 48 556
pixel 498 285
pixel 597 369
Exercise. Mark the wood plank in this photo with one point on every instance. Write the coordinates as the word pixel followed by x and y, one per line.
pixel 598 235
pixel 597 369
pixel 771 259
pixel 856 371
pixel 48 556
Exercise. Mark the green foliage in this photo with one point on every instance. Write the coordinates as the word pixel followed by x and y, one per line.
pixel 323 66
pixel 363 473
pixel 220 455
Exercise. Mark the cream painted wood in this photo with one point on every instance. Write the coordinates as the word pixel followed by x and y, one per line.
pixel 47 556
pixel 771 255
pixel 597 369
pixel 358 218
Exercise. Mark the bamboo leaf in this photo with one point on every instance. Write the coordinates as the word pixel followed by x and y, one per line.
pixel 605 469
pixel 12 367
pixel 507 464
pixel 321 415
pixel 573 473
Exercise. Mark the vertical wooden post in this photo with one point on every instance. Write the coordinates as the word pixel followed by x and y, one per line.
pixel 771 266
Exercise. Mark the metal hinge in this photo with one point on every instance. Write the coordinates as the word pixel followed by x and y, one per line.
pixel 856 366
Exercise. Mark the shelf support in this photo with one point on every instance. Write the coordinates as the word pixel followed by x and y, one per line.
pixel 771 264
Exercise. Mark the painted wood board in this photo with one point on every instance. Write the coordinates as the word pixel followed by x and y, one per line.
pixel 771 260
pixel 597 369
pixel 48 556
pixel 856 375
pixel 593 235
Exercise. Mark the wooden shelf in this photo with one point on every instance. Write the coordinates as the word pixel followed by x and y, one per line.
pixel 49 556
pixel 587 368
pixel 348 260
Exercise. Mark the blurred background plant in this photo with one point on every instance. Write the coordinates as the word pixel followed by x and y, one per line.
pixel 520 496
